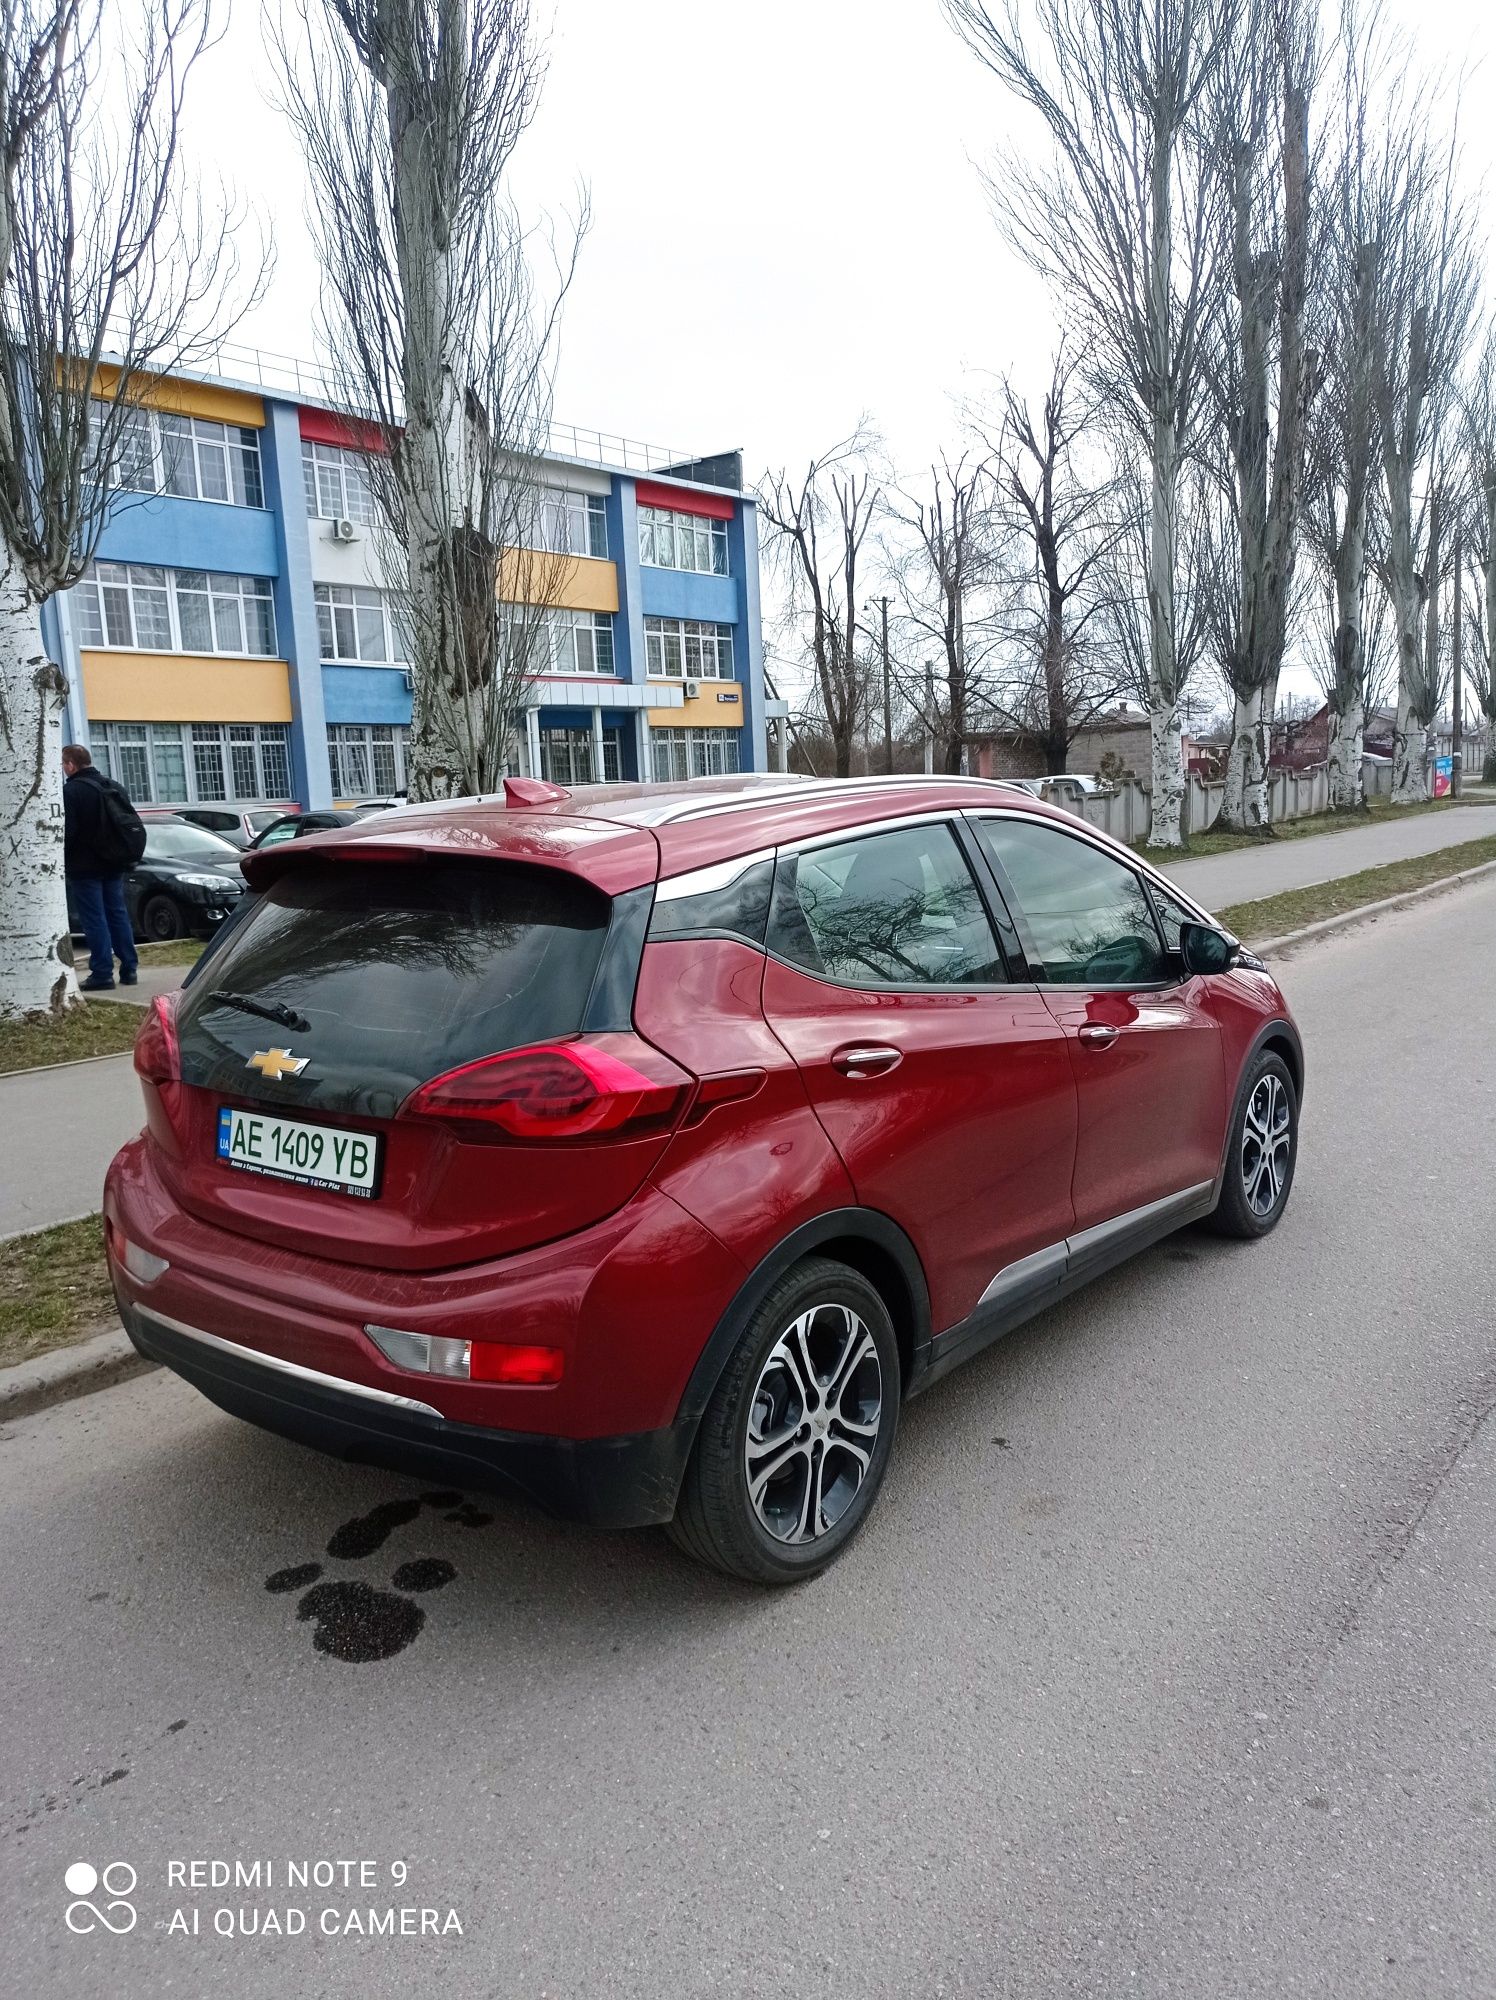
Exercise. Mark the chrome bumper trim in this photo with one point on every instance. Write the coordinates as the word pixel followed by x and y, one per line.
pixel 292 1368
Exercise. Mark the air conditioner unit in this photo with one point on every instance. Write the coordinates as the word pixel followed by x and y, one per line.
pixel 692 690
pixel 344 531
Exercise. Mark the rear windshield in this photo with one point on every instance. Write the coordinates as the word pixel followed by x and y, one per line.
pixel 398 970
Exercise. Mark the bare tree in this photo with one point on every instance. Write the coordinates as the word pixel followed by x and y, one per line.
pixel 106 270
pixel 945 574
pixel 409 112
pixel 817 527
pixel 1425 294
pixel 1265 375
pixel 1059 515
pixel 1344 442
pixel 1479 428
pixel 1120 223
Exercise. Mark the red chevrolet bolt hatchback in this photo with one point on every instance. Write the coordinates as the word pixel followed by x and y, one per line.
pixel 641 1150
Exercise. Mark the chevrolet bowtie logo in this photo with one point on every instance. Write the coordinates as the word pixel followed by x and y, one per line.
pixel 276 1063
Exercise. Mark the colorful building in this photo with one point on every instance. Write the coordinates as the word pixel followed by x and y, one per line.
pixel 233 639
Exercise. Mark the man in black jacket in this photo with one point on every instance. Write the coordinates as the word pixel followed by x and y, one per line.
pixel 96 881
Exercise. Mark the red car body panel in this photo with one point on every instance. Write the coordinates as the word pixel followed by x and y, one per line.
pixel 998 1132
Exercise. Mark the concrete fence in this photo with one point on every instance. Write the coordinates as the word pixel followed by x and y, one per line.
pixel 1123 811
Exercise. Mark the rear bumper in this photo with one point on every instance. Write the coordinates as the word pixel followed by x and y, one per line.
pixel 615 1482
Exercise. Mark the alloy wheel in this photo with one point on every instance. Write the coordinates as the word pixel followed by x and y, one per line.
pixel 1266 1143
pixel 813 1424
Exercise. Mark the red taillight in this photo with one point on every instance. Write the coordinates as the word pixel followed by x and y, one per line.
pixel 521 1367
pixel 157 1057
pixel 608 1087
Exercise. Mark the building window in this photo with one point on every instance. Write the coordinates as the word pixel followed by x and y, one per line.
pixel 572 524
pixel 687 649
pixel 174 610
pixel 195 763
pixel 190 457
pixel 560 642
pixel 368 759
pixel 678 754
pixel 682 541
pixel 569 756
pixel 337 484
pixel 355 623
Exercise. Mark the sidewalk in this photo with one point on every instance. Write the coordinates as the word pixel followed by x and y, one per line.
pixel 62 1128
pixel 1220 880
pixel 153 979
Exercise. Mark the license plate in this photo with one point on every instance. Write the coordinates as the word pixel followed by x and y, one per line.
pixel 287 1149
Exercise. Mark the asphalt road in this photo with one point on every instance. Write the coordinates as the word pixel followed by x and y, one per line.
pixel 1219 880
pixel 1165 1666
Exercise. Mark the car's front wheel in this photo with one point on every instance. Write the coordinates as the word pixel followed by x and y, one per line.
pixel 1261 1152
pixel 795 1441
pixel 161 920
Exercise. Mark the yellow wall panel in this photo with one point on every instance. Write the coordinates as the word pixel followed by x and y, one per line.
pixel 189 399
pixel 568 583
pixel 702 711
pixel 184 687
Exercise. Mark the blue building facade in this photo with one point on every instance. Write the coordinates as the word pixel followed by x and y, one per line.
pixel 234 640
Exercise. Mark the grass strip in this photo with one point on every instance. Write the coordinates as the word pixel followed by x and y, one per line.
pixel 1276 916
pixel 54 1289
pixel 102 1028
pixel 181 951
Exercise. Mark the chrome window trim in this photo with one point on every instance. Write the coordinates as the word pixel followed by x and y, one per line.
pixel 807 789
pixel 708 881
pixel 294 1369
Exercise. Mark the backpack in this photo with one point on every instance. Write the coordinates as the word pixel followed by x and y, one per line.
pixel 121 835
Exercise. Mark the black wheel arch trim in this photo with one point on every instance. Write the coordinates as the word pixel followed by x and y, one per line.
pixel 883 1236
pixel 1280 1030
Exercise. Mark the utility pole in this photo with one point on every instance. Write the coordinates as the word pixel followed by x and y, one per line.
pixel 887 697
pixel 1457 730
pixel 929 718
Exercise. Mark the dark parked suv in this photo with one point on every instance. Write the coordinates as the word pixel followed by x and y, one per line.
pixel 641 1151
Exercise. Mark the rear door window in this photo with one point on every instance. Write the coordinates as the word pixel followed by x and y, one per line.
pixel 888 909
pixel 385 974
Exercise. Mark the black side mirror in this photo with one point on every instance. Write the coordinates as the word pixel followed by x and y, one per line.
pixel 1205 949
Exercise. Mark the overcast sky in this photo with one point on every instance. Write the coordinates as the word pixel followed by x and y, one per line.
pixel 788 229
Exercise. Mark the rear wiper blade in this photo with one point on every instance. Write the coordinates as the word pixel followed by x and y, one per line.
pixel 268 1010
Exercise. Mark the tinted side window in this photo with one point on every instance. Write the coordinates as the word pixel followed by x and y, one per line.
pixel 1089 915
pixel 895 909
pixel 739 908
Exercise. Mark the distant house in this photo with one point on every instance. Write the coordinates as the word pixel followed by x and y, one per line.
pixel 1296 746
pixel 1121 732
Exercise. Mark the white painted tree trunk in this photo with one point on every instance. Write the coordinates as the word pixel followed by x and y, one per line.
pixel 1347 749
pixel 1246 802
pixel 36 959
pixel 1409 749
pixel 1166 824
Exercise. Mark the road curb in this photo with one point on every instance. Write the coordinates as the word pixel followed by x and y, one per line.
pixel 88 1365
pixel 1365 910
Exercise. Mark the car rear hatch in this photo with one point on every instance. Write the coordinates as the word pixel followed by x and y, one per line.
pixel 346 1033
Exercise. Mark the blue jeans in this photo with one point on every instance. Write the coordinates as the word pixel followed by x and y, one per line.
pixel 106 924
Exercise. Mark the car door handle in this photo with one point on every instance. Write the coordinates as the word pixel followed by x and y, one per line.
pixel 864 1059
pixel 1097 1035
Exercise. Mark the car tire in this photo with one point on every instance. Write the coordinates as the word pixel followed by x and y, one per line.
pixel 161 920
pixel 796 1439
pixel 1261 1152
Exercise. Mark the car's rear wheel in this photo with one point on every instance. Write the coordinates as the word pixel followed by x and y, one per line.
pixel 795 1441
pixel 1261 1152
pixel 161 920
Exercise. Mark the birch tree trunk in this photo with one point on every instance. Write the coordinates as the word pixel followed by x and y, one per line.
pixel 1166 746
pixel 1245 804
pixel 1408 782
pixel 36 954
